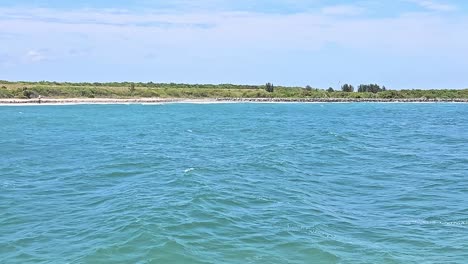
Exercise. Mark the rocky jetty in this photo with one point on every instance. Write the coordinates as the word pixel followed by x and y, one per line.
pixel 226 100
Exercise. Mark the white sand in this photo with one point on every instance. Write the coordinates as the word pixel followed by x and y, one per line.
pixel 73 101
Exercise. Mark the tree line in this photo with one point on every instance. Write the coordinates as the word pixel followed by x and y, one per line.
pixel 347 88
pixel 363 88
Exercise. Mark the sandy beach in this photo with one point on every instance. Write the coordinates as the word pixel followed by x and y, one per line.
pixel 54 101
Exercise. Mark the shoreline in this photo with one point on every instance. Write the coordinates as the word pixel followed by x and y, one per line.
pixel 64 101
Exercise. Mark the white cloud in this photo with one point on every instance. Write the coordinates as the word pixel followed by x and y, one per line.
pixel 34 56
pixel 343 10
pixel 434 6
pixel 134 35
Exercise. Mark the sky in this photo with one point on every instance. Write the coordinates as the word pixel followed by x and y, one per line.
pixel 401 44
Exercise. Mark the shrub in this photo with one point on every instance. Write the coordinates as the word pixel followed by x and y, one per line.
pixel 347 88
pixel 269 87
pixel 371 88
pixel 29 93
pixel 132 88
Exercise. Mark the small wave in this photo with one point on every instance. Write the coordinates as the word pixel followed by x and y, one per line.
pixel 189 170
pixel 7 185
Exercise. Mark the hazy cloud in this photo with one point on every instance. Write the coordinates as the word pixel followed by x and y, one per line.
pixel 435 6
pixel 343 10
pixel 106 30
pixel 34 56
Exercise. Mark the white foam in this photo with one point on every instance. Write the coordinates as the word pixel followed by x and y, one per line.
pixel 189 170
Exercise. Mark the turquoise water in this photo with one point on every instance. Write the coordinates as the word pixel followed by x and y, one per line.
pixel 234 183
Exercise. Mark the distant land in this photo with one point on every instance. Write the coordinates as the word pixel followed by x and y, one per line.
pixel 114 92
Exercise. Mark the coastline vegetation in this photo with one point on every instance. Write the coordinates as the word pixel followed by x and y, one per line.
pixel 45 89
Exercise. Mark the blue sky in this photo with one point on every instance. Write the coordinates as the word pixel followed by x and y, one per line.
pixel 398 43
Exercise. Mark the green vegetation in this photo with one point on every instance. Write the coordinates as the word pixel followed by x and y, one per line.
pixel 371 88
pixel 269 88
pixel 132 88
pixel 172 90
pixel 347 88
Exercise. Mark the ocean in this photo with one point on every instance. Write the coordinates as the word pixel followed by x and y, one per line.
pixel 234 183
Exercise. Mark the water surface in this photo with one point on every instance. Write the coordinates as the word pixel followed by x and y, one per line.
pixel 234 183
